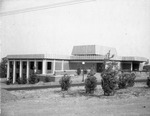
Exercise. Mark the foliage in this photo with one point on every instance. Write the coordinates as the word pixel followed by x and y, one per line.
pixel 109 82
pixel 90 83
pixel 109 78
pixel 9 81
pixel 18 81
pixel 78 71
pixel 146 68
pixel 148 81
pixel 24 79
pixel 92 71
pixel 122 83
pixel 65 82
pixel 126 80
pixel 3 68
pixel 47 79
pixel 85 71
pixel 33 79
pixel 131 80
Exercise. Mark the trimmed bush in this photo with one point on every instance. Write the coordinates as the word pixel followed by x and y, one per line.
pixel 65 82
pixel 24 80
pixel 131 80
pixel 18 80
pixel 9 81
pixel 90 83
pixel 148 81
pixel 33 79
pixel 85 71
pixel 78 71
pixel 47 79
pixel 126 80
pixel 92 71
pixel 109 82
pixel 122 81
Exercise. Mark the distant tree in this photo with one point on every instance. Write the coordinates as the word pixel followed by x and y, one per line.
pixel 3 67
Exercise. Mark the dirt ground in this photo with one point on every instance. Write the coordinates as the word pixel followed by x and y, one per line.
pixel 134 101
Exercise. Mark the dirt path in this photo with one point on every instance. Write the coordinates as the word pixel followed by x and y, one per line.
pixel 133 101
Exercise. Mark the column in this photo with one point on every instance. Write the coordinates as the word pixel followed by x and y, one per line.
pixel 54 67
pixel 44 67
pixel 131 66
pixel 20 70
pixel 35 66
pixel 14 71
pixel 27 73
pixel 8 70
pixel 62 65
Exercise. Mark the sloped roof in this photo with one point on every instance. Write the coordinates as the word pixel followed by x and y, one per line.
pixel 93 50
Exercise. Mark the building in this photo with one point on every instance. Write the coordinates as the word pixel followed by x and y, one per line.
pixel 85 56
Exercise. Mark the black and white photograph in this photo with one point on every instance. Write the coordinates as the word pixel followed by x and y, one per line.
pixel 74 57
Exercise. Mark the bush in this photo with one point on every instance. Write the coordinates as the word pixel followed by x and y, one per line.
pixel 92 71
pixel 47 79
pixel 148 81
pixel 126 80
pixel 33 79
pixel 131 80
pixel 90 83
pixel 9 81
pixel 85 71
pixel 18 80
pixel 65 82
pixel 109 82
pixel 3 68
pixel 24 79
pixel 78 71
pixel 122 81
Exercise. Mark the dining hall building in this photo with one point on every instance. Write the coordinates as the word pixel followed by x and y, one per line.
pixel 83 56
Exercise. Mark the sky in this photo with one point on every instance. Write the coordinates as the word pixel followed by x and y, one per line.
pixel 123 24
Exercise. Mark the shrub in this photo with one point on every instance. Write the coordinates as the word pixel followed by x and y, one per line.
pixel 85 71
pixel 148 81
pixel 18 80
pixel 92 71
pixel 3 67
pixel 33 79
pixel 122 81
pixel 131 80
pixel 126 80
pixel 90 83
pixel 24 79
pixel 9 81
pixel 109 82
pixel 78 71
pixel 65 82
pixel 47 79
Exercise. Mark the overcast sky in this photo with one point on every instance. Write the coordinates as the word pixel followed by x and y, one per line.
pixel 123 24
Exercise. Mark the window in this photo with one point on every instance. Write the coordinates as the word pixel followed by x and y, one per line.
pixel 39 65
pixel 49 65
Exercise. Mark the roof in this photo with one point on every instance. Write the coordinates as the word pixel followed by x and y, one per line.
pixel 92 50
pixel 82 52
pixel 38 56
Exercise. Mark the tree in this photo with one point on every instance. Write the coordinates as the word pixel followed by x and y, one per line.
pixel 3 68
pixel 109 76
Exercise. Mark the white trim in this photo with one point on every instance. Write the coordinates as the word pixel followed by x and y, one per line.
pixel 14 71
pixel 8 70
pixel 20 71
